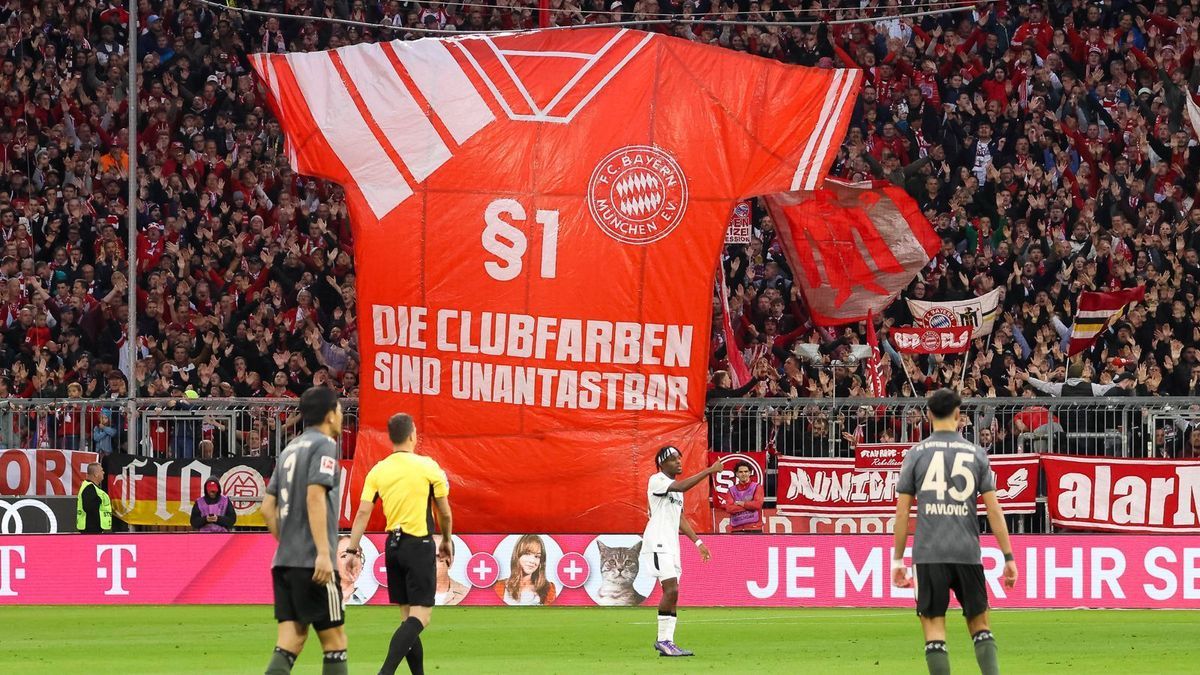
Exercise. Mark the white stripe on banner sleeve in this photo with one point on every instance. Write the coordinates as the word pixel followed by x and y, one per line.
pixel 395 110
pixel 443 83
pixel 347 132
pixel 827 140
pixel 272 80
pixel 806 157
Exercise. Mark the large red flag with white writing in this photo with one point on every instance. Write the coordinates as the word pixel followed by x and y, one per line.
pixel 852 246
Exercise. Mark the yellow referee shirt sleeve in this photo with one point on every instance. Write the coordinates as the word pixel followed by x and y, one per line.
pixel 437 478
pixel 370 486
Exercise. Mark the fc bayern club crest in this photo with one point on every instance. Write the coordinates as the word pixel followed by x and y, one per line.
pixel 637 194
pixel 939 317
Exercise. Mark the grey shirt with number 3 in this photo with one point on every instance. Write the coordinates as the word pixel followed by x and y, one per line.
pixel 310 459
pixel 946 473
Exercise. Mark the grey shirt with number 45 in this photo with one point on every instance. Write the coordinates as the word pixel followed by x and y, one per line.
pixel 310 459
pixel 946 473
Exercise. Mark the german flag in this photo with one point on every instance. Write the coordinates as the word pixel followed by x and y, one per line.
pixel 1098 311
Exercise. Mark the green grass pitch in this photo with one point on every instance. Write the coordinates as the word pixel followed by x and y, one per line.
pixel 238 639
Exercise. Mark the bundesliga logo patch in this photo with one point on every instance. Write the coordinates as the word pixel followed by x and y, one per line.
pixel 328 465
pixel 637 194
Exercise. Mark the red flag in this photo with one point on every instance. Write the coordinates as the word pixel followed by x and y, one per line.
pixel 853 246
pixel 874 373
pixel 1098 311
pixel 738 371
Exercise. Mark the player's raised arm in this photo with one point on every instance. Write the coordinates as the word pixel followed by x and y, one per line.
pixel 995 516
pixel 692 481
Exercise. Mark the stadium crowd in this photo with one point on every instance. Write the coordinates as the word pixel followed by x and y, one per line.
pixel 1047 144
pixel 1050 147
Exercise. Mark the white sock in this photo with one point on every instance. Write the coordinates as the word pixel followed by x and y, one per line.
pixel 666 628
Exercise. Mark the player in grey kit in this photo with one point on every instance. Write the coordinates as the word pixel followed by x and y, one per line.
pixel 947 474
pixel 301 510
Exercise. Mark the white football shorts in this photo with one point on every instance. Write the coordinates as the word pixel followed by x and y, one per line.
pixel 661 565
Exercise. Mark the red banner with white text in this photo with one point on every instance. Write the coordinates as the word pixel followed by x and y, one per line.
pixel 950 340
pixel 740 225
pixel 835 488
pixel 1123 495
pixel 729 461
pixel 880 456
pixel 43 473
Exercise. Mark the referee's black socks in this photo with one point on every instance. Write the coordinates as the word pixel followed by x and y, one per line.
pixel 416 658
pixel 985 652
pixel 937 658
pixel 402 641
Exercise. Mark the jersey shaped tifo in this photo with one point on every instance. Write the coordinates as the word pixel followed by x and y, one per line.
pixel 537 218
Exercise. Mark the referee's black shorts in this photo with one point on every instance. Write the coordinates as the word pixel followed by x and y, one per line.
pixel 299 599
pixel 411 569
pixel 936 580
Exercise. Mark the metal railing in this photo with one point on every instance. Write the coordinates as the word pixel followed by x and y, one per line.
pixel 210 427
pixel 1115 427
pixel 182 428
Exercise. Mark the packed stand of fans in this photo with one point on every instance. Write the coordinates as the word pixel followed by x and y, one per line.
pixel 245 269
pixel 1050 148
pixel 1049 160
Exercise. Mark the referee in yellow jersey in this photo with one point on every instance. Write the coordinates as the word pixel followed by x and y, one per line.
pixel 407 482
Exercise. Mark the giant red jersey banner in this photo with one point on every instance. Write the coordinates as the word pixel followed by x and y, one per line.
pixel 532 213
pixel 835 487
pixel 1123 495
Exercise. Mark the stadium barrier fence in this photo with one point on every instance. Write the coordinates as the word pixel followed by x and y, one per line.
pixel 808 428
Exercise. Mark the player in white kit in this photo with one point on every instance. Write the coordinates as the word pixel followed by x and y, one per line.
pixel 660 541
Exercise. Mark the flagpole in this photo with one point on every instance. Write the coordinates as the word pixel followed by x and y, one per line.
pixel 966 361
pixel 908 377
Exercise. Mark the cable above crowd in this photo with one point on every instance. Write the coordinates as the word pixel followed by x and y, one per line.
pixel 1048 145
